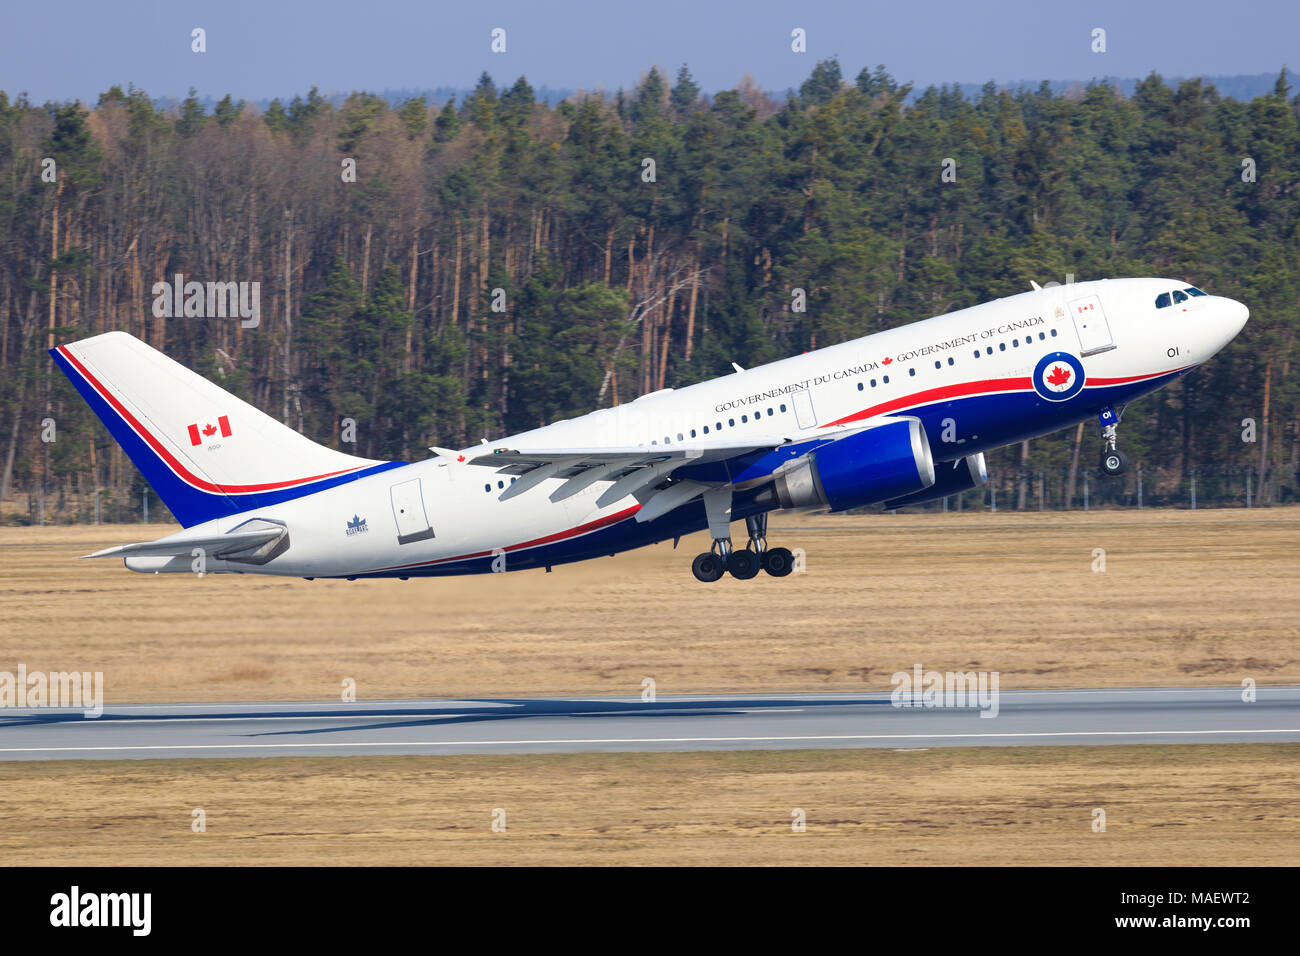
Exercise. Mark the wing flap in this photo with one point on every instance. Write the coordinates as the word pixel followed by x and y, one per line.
pixel 632 455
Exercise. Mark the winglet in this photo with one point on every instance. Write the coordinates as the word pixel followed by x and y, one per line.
pixel 455 456
pixel 1037 287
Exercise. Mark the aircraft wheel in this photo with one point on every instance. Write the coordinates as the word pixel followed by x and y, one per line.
pixel 742 563
pixel 1113 463
pixel 708 567
pixel 778 562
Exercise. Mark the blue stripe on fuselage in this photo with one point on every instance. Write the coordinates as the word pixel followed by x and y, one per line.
pixel 998 419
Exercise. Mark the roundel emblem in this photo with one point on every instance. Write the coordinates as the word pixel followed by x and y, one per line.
pixel 1058 376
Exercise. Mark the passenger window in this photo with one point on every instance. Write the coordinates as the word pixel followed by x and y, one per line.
pixel 1162 300
pixel 782 408
pixel 950 361
pixel 873 383
pixel 706 429
pixel 860 386
pixel 886 379
pixel 1179 297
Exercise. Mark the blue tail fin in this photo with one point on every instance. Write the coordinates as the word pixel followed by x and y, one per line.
pixel 205 452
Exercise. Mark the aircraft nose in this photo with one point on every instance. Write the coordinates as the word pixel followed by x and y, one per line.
pixel 1236 314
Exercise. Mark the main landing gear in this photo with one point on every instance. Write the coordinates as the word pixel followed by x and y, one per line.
pixel 742 563
pixel 1113 461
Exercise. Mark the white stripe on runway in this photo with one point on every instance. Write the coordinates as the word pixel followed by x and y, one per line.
pixel 647 740
pixel 478 714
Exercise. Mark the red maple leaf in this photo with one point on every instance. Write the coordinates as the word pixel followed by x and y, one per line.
pixel 460 457
pixel 886 360
pixel 209 430
pixel 1058 376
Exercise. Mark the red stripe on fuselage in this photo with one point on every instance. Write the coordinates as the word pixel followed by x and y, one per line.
pixel 180 470
pixel 1124 380
pixel 546 539
pixel 984 386
pixel 939 394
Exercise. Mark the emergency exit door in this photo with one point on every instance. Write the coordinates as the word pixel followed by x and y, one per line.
pixel 1090 322
pixel 803 408
pixel 408 512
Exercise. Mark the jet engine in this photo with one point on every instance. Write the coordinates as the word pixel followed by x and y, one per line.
pixel 950 478
pixel 872 465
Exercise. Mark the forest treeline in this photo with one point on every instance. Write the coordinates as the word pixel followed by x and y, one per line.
pixel 442 272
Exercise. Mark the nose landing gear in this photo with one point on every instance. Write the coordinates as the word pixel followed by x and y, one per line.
pixel 1113 461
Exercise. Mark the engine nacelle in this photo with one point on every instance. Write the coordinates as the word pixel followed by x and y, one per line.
pixel 860 469
pixel 950 478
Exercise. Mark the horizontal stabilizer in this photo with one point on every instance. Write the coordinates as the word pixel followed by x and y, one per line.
pixel 182 545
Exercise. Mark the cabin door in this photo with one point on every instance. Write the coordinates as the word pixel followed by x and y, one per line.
pixel 803 408
pixel 1090 322
pixel 408 512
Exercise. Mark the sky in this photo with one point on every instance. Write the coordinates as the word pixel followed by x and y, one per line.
pixel 258 49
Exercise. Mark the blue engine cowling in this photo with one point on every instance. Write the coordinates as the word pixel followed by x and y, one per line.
pixel 873 465
pixel 950 478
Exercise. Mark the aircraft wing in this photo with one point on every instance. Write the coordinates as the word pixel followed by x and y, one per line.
pixel 518 461
pixel 632 468
pixel 661 477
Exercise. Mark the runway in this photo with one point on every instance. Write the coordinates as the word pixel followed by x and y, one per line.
pixel 723 722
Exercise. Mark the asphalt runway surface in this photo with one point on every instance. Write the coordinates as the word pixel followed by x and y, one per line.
pixel 707 722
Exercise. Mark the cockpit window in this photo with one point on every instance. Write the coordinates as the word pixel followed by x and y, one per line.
pixel 1179 297
pixel 1162 300
pixel 1192 290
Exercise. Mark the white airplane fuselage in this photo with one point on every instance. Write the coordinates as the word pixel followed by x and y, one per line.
pixel 977 379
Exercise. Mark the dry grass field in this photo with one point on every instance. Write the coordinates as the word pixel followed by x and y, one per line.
pixel 1189 805
pixel 1186 598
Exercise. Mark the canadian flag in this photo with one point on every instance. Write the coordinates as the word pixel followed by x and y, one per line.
pixel 201 433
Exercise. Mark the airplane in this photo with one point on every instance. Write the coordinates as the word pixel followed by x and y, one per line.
pixel 894 418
